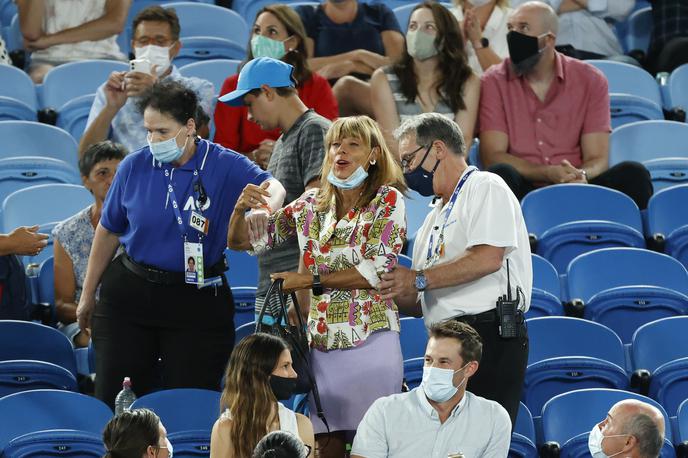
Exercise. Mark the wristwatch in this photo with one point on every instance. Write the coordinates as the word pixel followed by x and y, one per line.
pixel 421 282
pixel 484 43
pixel 317 286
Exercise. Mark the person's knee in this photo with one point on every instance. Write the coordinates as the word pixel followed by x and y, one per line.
pixel 353 96
pixel 632 171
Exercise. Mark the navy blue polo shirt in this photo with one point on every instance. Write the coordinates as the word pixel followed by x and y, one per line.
pixel 364 32
pixel 137 209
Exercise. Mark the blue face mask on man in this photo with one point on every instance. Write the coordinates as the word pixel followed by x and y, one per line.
pixel 167 151
pixel 420 179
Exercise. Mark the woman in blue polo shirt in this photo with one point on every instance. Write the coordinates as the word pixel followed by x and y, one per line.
pixel 169 201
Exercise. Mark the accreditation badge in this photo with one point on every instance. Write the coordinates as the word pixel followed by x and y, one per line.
pixel 199 222
pixel 193 263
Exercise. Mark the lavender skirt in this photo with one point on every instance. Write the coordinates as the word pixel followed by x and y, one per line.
pixel 349 381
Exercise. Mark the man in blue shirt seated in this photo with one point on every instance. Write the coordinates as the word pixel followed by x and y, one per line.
pixel 439 418
pixel 348 37
pixel 114 114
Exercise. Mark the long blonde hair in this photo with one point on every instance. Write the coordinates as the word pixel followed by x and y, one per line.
pixel 386 170
pixel 247 393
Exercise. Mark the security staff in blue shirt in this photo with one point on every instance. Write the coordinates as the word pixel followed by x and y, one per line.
pixel 169 201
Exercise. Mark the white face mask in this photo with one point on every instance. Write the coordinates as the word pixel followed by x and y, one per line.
pixel 438 383
pixel 156 55
pixel 595 443
pixel 170 449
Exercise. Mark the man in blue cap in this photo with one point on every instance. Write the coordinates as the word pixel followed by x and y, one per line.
pixel 267 87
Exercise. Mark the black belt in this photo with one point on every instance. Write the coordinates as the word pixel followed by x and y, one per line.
pixel 165 277
pixel 486 317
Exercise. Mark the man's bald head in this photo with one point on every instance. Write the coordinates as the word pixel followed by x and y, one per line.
pixel 538 15
pixel 644 422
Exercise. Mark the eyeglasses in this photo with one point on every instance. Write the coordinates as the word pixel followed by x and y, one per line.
pixel 408 158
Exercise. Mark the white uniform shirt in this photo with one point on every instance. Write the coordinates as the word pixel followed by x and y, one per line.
pixel 486 212
pixel 406 425
pixel 495 31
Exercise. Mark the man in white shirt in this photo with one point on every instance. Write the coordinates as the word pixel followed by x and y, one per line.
pixel 439 418
pixel 461 254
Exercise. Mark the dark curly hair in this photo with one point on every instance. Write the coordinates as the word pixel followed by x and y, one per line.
pixel 171 98
pixel 453 64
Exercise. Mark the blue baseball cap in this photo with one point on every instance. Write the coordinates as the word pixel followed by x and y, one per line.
pixel 263 70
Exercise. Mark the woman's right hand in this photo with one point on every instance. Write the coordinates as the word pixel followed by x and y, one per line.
pixel 84 311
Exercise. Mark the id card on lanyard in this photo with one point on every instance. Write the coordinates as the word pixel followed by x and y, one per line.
pixel 436 252
pixel 193 252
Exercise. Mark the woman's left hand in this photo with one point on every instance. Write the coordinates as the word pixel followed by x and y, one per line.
pixel 293 281
pixel 471 27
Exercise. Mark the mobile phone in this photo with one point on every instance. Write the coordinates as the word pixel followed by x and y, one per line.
pixel 140 65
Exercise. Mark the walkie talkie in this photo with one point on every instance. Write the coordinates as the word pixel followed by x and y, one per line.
pixel 510 317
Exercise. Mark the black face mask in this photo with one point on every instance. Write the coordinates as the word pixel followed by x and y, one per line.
pixel 282 387
pixel 419 179
pixel 524 50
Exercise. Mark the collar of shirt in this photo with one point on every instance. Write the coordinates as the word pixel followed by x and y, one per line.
pixel 430 411
pixel 558 68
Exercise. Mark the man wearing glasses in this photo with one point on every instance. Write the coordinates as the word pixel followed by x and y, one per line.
pixel 461 254
pixel 155 44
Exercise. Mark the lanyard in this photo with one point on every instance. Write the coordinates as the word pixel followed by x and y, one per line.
pixel 436 252
pixel 171 196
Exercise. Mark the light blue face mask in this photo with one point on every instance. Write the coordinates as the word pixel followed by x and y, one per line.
pixel 353 181
pixel 267 47
pixel 167 151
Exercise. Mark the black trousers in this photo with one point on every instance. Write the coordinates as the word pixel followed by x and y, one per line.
pixel 136 323
pixel 631 178
pixel 502 368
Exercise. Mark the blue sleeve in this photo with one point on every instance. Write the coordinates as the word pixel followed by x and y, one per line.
pixel 114 215
pixel 308 17
pixel 246 172
pixel 388 20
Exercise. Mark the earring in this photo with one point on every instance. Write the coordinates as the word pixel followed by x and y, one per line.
pixel 373 162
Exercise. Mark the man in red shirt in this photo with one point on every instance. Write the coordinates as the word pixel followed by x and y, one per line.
pixel 544 117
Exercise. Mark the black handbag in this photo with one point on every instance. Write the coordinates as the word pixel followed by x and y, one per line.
pixel 296 338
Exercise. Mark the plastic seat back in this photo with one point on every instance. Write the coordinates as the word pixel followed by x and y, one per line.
pixel 682 418
pixel 244 304
pixel 243 331
pixel 568 418
pixel 75 79
pixel 26 375
pixel 26 138
pixel 24 171
pixel 183 409
pixel 417 208
pixel 413 337
pixel 667 221
pixel 629 79
pixel 200 19
pixel 41 410
pixel 46 282
pixel 667 172
pixel 645 140
pixel 678 87
pixel 215 70
pixel 638 30
pixel 570 219
pixel 667 334
pixel 17 95
pixel 57 443
pixel 23 340
pixel 200 49
pixel 523 435
pixel 243 268
pixel 73 115
pixel 546 296
pixel 413 372
pixel 628 108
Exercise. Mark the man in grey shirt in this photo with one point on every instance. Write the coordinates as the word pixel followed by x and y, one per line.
pixel 267 88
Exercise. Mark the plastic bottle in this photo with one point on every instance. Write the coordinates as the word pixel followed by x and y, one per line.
pixel 125 398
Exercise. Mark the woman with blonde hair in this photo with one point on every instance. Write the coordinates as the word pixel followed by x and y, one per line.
pixel 484 29
pixel 259 375
pixel 350 232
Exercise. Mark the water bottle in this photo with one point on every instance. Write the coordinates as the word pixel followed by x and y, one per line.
pixel 125 398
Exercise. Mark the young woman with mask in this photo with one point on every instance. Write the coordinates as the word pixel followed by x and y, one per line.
pixel 350 232
pixel 278 33
pixel 259 375
pixel 483 23
pixel 169 200
pixel 432 75
pixel 137 433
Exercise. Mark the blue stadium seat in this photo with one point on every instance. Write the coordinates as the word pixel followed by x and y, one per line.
pixel 569 219
pixel 413 371
pixel 546 295
pixel 624 288
pixel 201 20
pixel 678 87
pixel 46 282
pixel 24 171
pixel 44 203
pixel 417 208
pixel 413 337
pixel 17 95
pixel 667 221
pixel 682 420
pixel 474 155
pixel 638 30
pixel 215 70
pixel 8 9
pixel 523 435
pixel 73 115
pixel 568 418
pixel 188 415
pixel 244 304
pixel 659 145
pixel 628 108
pixel 26 138
pixel 243 331
pixel 569 354
pixel 52 423
pixel 661 348
pixel 243 268
pixel 405 261
pixel 13 36
pixel 199 49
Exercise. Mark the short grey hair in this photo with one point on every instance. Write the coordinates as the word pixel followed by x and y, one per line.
pixel 428 127
pixel 648 434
